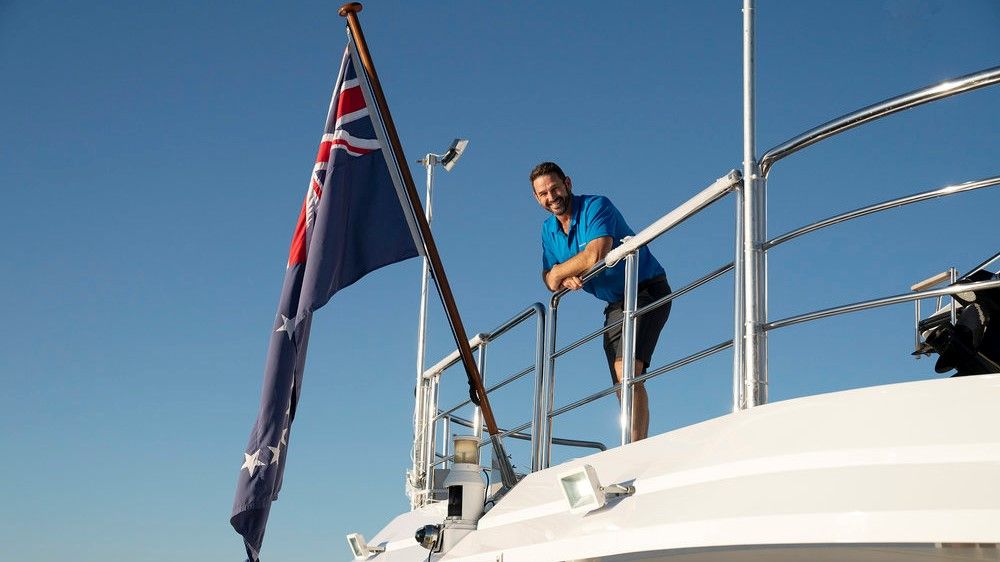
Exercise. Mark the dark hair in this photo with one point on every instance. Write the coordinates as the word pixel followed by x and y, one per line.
pixel 544 169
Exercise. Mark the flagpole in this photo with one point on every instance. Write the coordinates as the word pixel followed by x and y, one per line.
pixel 350 11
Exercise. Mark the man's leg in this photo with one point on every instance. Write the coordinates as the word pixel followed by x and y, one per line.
pixel 640 401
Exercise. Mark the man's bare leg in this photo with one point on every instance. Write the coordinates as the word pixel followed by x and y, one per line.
pixel 640 401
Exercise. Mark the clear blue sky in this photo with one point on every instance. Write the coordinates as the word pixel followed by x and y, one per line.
pixel 153 158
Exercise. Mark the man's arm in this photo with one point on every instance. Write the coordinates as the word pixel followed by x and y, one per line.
pixel 567 274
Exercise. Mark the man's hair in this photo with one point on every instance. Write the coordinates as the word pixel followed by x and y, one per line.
pixel 544 169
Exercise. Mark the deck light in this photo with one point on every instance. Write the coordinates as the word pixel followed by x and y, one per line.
pixel 583 491
pixel 360 548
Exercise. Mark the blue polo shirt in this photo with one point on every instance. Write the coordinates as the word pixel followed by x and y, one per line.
pixel 594 216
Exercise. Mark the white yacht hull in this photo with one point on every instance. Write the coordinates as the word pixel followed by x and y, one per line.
pixel 900 472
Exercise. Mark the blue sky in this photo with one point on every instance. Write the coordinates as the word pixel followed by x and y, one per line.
pixel 155 155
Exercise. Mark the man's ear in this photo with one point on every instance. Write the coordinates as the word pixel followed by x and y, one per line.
pixel 569 183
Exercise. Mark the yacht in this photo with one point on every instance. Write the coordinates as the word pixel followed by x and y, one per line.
pixel 905 471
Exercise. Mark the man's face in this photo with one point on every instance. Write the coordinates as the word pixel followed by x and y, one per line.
pixel 553 194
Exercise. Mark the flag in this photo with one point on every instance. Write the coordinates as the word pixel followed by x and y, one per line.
pixel 355 219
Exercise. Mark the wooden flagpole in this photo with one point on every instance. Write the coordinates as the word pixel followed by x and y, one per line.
pixel 350 11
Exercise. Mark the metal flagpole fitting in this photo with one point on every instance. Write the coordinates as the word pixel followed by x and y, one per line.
pixel 350 8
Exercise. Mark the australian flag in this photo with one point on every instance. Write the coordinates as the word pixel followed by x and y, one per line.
pixel 355 219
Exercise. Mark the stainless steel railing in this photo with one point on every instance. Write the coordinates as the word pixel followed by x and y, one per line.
pixel 425 457
pixel 750 387
pixel 948 88
pixel 628 251
pixel 516 433
pixel 750 315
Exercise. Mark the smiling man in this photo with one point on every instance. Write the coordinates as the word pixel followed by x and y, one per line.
pixel 580 232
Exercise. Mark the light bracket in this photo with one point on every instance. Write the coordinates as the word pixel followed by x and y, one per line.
pixel 583 491
pixel 360 548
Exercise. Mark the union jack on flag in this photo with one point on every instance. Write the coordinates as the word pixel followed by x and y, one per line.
pixel 355 219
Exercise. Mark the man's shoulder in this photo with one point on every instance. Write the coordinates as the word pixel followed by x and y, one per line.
pixel 592 206
pixel 594 200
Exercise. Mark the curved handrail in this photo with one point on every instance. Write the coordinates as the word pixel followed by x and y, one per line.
pixel 432 414
pixel 711 194
pixel 707 278
pixel 516 433
pixel 945 89
pixel 875 303
pixel 883 206
pixel 708 351
pixel 445 413
pixel 684 211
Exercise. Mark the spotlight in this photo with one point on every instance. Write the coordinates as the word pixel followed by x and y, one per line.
pixel 360 548
pixel 429 537
pixel 454 152
pixel 583 491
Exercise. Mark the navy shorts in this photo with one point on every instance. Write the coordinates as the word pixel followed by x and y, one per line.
pixel 648 326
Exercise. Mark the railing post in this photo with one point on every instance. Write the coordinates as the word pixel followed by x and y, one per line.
pixel 952 278
pixel 628 345
pixel 753 346
pixel 433 392
pixel 417 476
pixel 420 417
pixel 739 309
pixel 750 339
pixel 547 397
pixel 446 434
pixel 477 413
pixel 538 416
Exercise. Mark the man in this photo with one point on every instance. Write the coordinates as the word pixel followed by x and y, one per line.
pixel 580 232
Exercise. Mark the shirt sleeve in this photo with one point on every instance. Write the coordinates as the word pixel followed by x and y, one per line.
pixel 548 258
pixel 599 218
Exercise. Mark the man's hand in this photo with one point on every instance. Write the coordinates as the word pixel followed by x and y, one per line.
pixel 572 283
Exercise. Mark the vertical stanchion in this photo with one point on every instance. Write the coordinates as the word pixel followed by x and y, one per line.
pixel 548 385
pixel 952 278
pixel 446 436
pixel 751 339
pixel 739 367
pixel 477 413
pixel 420 413
pixel 432 411
pixel 538 418
pixel 628 346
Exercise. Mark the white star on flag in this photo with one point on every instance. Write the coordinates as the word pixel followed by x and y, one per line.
pixel 251 462
pixel 287 325
pixel 276 451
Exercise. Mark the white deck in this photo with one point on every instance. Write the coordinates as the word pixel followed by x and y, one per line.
pixel 881 473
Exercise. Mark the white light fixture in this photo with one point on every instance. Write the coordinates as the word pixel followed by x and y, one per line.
pixel 466 449
pixel 583 491
pixel 454 152
pixel 360 548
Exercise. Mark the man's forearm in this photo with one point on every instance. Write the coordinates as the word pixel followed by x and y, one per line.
pixel 578 264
